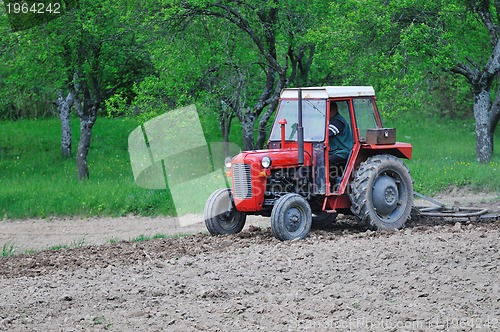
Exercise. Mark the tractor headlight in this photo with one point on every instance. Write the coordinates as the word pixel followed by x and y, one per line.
pixel 227 162
pixel 266 162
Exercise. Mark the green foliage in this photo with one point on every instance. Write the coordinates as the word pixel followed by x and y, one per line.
pixel 117 105
pixel 27 74
pixel 95 40
pixel 225 55
pixel 404 49
pixel 156 56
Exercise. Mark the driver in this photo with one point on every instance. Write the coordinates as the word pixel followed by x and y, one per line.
pixel 340 141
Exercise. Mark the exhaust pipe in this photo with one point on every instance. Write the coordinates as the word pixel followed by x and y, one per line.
pixel 300 131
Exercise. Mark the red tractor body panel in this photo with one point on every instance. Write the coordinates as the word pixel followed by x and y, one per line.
pixel 400 150
pixel 249 196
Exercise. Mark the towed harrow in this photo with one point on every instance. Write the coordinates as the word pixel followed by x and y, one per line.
pixel 446 212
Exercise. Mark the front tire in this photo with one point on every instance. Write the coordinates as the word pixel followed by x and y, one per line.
pixel 221 217
pixel 382 193
pixel 291 218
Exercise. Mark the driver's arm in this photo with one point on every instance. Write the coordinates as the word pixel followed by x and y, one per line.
pixel 335 127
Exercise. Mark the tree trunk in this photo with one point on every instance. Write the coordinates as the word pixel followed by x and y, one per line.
pixel 271 108
pixel 64 108
pixel 225 134
pixel 495 116
pixel 262 131
pixel 247 126
pixel 484 143
pixel 86 124
pixel 226 116
pixel 88 115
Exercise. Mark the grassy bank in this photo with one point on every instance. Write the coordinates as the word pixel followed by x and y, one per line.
pixel 36 182
pixel 444 155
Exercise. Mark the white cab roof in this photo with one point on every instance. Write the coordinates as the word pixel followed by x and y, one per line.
pixel 325 92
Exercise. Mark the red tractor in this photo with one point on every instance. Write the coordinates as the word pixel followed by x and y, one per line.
pixel 292 181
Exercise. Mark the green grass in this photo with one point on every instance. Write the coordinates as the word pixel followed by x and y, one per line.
pixel 444 155
pixel 142 237
pixel 35 181
pixel 74 245
pixel 8 249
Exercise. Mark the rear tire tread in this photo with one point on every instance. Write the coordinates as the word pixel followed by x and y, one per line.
pixel 365 177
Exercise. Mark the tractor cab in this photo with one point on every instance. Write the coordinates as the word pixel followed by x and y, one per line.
pixel 316 114
pixel 294 182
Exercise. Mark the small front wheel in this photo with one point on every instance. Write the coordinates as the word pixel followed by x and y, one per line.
pixel 221 217
pixel 291 218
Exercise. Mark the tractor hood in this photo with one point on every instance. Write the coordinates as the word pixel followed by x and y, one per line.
pixel 279 157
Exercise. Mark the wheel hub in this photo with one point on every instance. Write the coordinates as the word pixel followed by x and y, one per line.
pixel 385 195
pixel 292 219
pixel 226 218
pixel 390 196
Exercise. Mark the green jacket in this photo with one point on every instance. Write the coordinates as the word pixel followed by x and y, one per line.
pixel 340 137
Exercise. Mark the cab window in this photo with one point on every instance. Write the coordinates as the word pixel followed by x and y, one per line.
pixel 313 120
pixel 365 115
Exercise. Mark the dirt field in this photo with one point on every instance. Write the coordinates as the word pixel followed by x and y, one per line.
pixel 430 276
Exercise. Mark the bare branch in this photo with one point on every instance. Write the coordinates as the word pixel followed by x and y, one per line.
pixel 473 64
pixel 462 69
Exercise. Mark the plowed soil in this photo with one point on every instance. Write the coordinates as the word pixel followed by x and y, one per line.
pixel 433 275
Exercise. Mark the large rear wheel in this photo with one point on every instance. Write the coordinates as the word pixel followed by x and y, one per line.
pixel 220 215
pixel 382 193
pixel 291 218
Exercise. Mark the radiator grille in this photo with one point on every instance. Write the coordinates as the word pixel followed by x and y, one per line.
pixel 242 180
